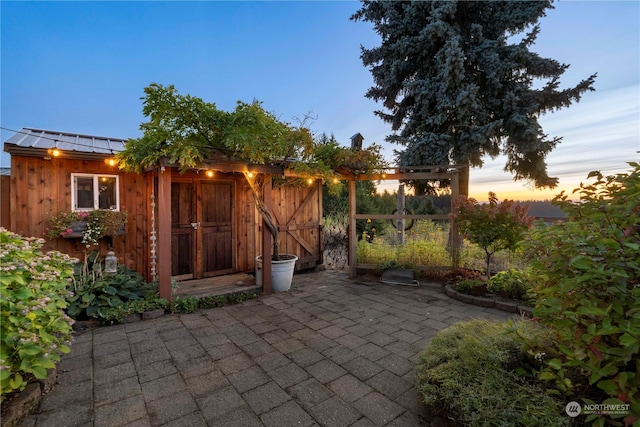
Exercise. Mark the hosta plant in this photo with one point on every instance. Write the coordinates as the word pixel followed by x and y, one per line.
pixel 34 327
pixel 95 292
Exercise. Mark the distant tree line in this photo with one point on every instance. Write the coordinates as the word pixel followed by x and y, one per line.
pixel 370 201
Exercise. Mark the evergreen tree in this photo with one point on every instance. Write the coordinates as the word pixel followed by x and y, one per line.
pixel 456 86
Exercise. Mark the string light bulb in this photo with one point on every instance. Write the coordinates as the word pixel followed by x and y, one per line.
pixel 55 152
pixel 310 181
pixel 112 161
pixel 336 180
pixel 210 173
pixel 250 174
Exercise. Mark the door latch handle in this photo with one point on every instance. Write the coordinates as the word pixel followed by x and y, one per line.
pixel 195 225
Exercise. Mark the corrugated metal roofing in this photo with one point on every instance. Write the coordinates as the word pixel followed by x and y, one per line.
pixel 5 171
pixel 46 139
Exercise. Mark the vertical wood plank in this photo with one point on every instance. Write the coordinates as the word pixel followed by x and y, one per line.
pixel 197 217
pixel 164 233
pixel 318 216
pixel 352 229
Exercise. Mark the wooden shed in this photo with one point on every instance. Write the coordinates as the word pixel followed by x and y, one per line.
pixel 215 227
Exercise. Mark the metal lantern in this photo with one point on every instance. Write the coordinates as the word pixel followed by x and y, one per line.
pixel 110 263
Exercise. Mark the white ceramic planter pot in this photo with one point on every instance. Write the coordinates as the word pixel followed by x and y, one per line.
pixel 281 272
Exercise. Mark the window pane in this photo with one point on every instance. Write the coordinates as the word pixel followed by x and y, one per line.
pixel 107 188
pixel 84 192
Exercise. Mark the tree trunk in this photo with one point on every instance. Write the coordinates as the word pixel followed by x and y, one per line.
pixel 488 258
pixel 256 184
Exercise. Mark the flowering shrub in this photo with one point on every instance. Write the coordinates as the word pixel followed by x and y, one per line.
pixel 94 224
pixel 34 329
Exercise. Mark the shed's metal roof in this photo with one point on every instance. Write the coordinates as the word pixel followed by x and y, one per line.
pixel 47 139
pixel 5 171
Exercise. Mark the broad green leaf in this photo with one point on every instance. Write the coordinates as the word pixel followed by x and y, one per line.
pixel 23 293
pixel 607 385
pixel 555 363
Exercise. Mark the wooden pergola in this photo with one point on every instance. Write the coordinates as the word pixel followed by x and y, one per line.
pixel 450 172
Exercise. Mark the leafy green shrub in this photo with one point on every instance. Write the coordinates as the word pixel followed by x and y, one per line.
pixel 95 291
pixel 212 301
pixel 514 284
pixel 116 315
pixel 587 278
pixel 468 374
pixel 242 296
pixel 459 274
pixel 184 305
pixel 34 328
pixel 494 226
pixel 471 286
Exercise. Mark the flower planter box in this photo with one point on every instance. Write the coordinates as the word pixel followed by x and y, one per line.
pixel 77 228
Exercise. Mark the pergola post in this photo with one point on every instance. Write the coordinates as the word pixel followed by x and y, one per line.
pixel 400 208
pixel 164 232
pixel 454 232
pixel 353 238
pixel 267 239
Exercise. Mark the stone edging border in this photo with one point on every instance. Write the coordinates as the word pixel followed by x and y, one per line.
pixel 510 307
pixel 27 400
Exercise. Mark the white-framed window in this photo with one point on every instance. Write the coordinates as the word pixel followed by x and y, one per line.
pixel 94 191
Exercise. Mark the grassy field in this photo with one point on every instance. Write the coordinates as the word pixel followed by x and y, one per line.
pixel 426 245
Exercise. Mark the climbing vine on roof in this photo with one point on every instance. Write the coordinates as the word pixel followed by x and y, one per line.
pixel 184 130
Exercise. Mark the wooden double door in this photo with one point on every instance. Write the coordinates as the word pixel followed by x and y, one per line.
pixel 202 228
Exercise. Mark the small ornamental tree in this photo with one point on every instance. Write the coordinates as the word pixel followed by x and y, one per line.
pixel 34 328
pixel 587 272
pixel 186 131
pixel 493 226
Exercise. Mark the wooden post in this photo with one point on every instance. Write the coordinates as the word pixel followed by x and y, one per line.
pixel 400 210
pixel 454 233
pixel 164 232
pixel 267 239
pixel 353 238
pixel 463 180
pixel 321 230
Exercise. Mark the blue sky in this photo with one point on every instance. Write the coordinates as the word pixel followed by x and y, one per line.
pixel 82 67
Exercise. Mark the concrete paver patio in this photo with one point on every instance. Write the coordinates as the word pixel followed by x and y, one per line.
pixel 331 352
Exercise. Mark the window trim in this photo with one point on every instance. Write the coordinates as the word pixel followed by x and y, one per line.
pixel 96 191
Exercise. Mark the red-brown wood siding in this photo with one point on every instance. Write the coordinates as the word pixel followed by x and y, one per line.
pixel 40 188
pixel 5 201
